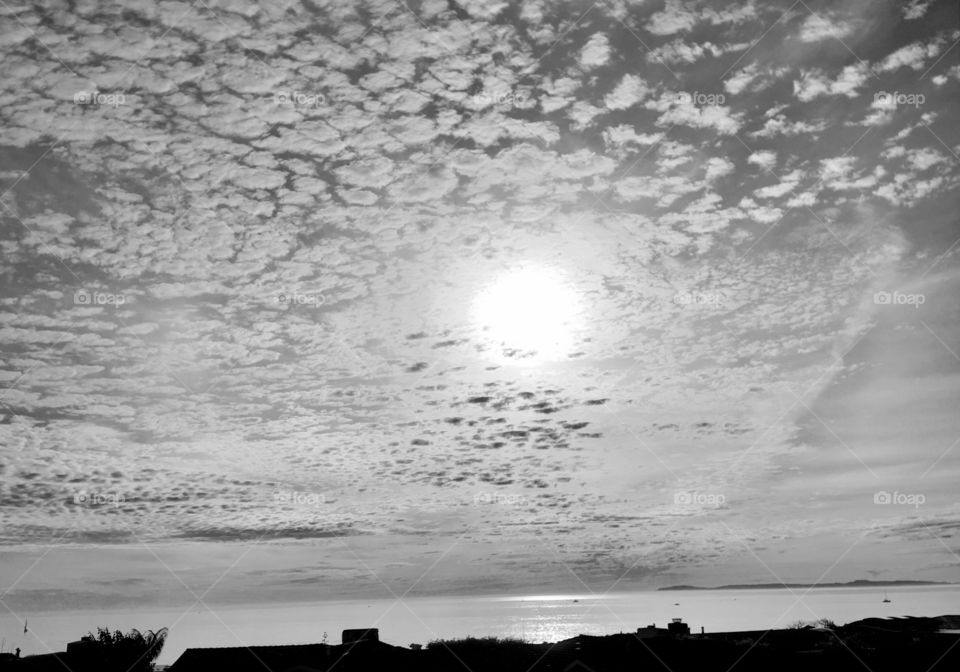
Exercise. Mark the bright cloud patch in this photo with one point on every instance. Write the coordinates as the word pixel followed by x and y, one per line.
pixel 817 27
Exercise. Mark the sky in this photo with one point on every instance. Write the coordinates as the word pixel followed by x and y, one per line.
pixel 315 300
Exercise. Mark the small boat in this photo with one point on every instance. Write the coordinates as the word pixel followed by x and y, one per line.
pixel 885 598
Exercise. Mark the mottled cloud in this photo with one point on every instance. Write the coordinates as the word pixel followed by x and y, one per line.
pixel 244 243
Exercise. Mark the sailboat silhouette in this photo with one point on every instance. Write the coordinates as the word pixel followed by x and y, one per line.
pixel 885 598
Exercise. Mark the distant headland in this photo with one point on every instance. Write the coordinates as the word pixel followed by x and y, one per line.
pixel 859 583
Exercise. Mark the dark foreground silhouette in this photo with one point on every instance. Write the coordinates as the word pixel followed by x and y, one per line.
pixel 876 645
pixel 105 651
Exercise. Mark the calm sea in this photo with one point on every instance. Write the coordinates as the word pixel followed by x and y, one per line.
pixel 535 618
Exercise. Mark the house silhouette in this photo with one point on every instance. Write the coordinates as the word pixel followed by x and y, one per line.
pixel 354 636
pixel 651 631
pixel 283 658
pixel 361 650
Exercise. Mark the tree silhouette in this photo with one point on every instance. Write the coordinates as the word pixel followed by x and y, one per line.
pixel 133 651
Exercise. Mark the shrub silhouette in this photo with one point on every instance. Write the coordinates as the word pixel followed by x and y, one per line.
pixel 133 651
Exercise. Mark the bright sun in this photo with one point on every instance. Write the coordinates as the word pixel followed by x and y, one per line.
pixel 530 310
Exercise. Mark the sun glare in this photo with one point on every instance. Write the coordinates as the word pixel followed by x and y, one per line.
pixel 529 312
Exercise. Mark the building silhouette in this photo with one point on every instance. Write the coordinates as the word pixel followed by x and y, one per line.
pixel 354 636
pixel 651 631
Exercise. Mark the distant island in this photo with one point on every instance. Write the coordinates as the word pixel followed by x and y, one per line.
pixel 859 583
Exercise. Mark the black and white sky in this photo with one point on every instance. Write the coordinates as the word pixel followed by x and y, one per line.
pixel 307 298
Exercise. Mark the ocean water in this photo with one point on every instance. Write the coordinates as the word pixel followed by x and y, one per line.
pixel 535 618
